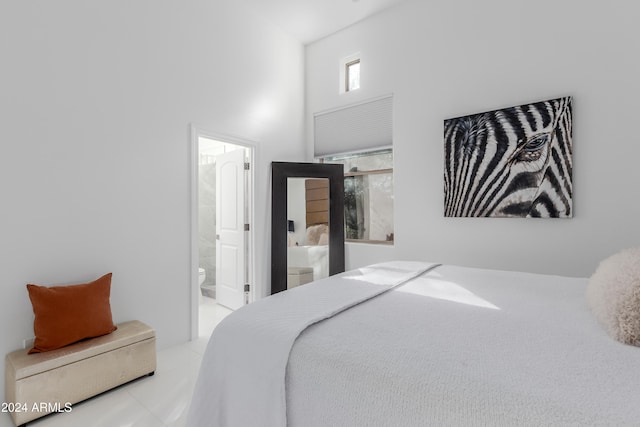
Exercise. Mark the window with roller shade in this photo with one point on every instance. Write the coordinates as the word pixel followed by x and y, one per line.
pixel 359 136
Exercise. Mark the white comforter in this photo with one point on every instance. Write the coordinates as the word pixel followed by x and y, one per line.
pixel 455 346
pixel 242 377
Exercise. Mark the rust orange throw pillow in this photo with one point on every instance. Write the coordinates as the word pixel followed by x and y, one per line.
pixel 67 314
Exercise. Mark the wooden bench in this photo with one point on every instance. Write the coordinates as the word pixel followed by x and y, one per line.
pixel 42 383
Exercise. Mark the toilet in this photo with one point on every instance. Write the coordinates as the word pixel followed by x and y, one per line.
pixel 202 275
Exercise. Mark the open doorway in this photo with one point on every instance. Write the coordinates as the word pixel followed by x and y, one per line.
pixel 221 233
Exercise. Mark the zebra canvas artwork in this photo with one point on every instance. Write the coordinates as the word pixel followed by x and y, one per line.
pixel 514 162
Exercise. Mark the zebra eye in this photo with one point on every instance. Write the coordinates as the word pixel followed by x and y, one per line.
pixel 532 149
pixel 536 143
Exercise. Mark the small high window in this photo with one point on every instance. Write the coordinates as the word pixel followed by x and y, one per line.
pixel 349 73
pixel 352 75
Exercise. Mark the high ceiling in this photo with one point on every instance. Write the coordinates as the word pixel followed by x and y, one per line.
pixel 310 20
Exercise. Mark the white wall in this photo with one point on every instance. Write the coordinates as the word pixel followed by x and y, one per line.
pixel 297 209
pixel 95 106
pixel 444 59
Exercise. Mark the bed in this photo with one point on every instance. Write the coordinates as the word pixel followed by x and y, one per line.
pixel 314 257
pixel 415 344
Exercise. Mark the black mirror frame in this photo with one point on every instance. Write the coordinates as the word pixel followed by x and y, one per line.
pixel 280 172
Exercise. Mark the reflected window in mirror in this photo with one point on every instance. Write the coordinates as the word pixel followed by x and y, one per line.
pixel 368 195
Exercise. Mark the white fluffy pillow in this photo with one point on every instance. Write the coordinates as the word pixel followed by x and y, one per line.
pixel 613 294
pixel 314 232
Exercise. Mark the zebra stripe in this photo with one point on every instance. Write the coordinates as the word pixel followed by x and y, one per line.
pixel 515 162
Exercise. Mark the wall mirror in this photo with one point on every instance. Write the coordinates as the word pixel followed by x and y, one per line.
pixel 307 223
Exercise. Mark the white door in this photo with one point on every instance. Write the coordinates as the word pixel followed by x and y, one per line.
pixel 230 234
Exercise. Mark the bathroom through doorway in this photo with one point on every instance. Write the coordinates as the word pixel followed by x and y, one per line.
pixel 221 230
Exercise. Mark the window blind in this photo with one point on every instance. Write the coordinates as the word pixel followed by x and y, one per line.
pixel 354 128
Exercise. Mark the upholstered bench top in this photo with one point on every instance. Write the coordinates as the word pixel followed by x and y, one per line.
pixel 299 270
pixel 26 365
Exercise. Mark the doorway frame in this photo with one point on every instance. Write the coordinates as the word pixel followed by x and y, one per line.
pixel 197 131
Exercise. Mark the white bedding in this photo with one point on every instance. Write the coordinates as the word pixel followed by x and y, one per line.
pixel 242 377
pixel 316 257
pixel 455 346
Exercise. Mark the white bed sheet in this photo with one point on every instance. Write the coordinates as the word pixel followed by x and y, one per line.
pixel 316 257
pixel 465 347
pixel 242 378
pixel 454 347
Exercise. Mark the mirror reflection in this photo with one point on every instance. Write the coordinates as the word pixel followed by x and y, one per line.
pixel 307 230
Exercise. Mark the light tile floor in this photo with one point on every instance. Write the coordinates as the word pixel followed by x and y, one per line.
pixel 158 401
